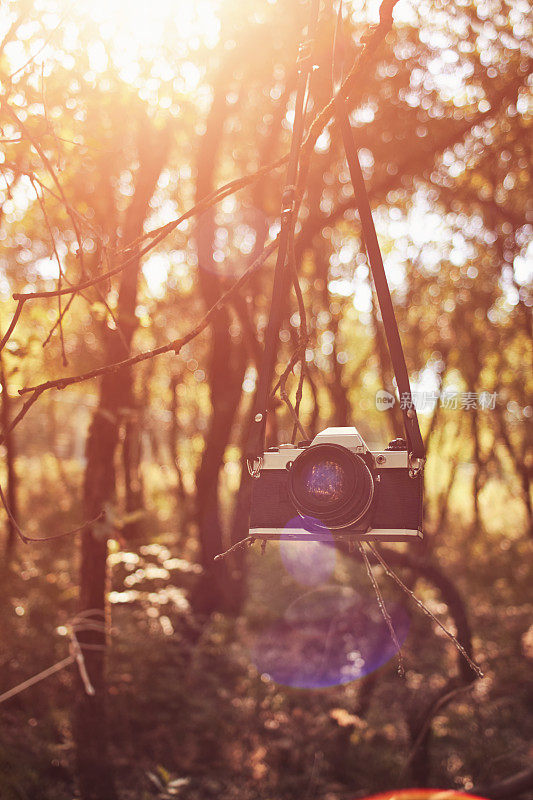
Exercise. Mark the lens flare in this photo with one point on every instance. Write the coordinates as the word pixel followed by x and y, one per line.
pixel 329 636
pixel 310 563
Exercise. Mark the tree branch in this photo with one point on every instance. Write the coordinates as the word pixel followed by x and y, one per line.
pixel 175 345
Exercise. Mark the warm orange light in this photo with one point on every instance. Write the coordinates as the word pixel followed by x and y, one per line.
pixel 423 794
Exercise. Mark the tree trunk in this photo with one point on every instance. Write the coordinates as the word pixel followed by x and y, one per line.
pixel 11 484
pixel 181 495
pixel 90 724
pixel 95 772
pixel 131 465
pixel 477 480
pixel 226 373
pixel 226 370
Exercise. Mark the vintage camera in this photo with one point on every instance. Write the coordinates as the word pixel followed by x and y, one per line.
pixel 335 486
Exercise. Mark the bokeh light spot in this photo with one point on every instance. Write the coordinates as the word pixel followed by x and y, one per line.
pixel 327 637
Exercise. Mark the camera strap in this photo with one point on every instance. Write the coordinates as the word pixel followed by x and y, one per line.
pixel 415 443
pixel 256 438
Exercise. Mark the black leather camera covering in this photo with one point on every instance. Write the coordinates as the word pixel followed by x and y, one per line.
pixel 397 502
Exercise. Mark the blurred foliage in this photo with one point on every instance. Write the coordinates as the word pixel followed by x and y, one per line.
pixel 445 138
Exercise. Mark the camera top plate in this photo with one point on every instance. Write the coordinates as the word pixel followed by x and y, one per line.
pixel 349 437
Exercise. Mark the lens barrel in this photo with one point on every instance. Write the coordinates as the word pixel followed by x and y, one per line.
pixel 331 484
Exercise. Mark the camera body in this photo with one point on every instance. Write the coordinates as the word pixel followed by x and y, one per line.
pixel 336 486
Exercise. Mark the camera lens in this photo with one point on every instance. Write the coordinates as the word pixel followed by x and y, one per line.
pixel 325 481
pixel 331 484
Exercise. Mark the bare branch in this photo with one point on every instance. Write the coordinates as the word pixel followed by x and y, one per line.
pixel 59 267
pixel 377 555
pixel 27 539
pixel 46 42
pixel 383 609
pixel 46 161
pixel 11 328
pixel 370 42
pixel 175 345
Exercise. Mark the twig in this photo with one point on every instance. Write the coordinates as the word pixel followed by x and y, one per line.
pixel 44 44
pixel 76 655
pixel 80 217
pixel 281 385
pixel 80 660
pixel 435 707
pixel 297 424
pixel 59 266
pixel 15 25
pixel 377 555
pixel 383 609
pixel 11 328
pixel 37 678
pixel 353 81
pixel 176 345
pixel 293 360
pixel 22 413
pixel 235 548
pixel 27 539
pixel 371 41
pixel 59 321
pixel 59 294
pixel 200 207
pixel 46 161
pixel 158 234
pixel 303 335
